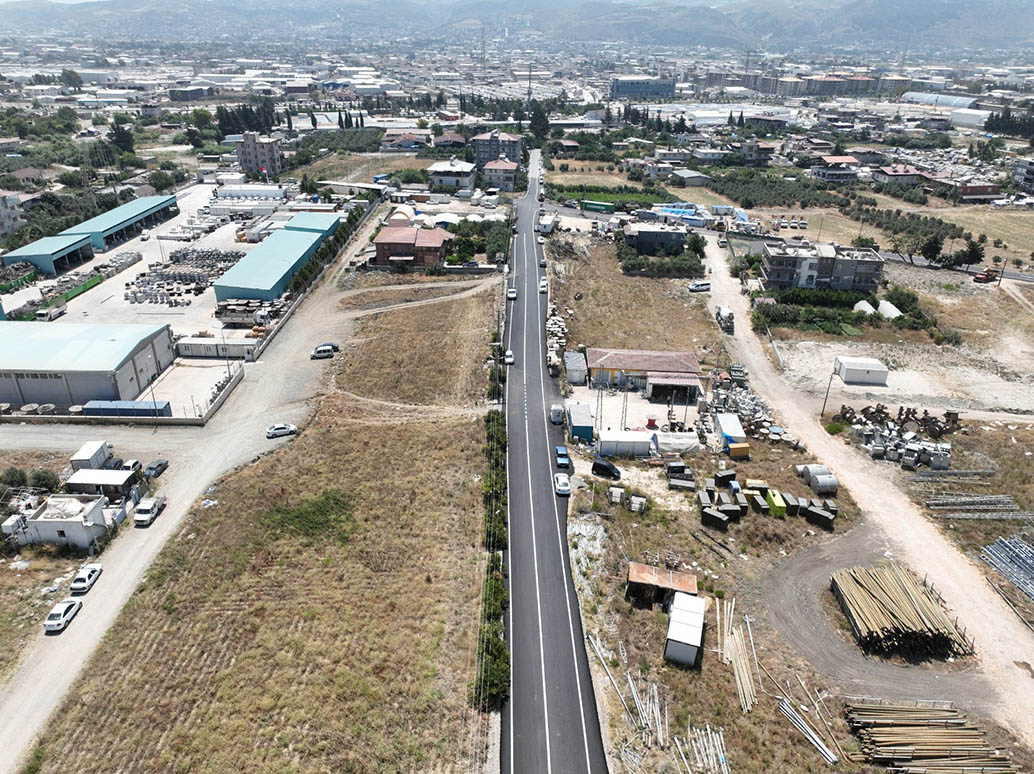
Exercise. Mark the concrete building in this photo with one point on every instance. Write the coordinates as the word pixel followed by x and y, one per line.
pixel 72 520
pixel 260 155
pixel 501 174
pixel 410 246
pixel 803 264
pixel 10 212
pixel 836 169
pixel 490 146
pixel 901 174
pixel 691 177
pixel 651 238
pixel 1023 173
pixel 71 364
pixel 642 86
pixel 453 173
pixel 189 93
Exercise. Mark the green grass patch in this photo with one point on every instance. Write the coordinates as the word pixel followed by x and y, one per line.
pixel 835 428
pixel 850 330
pixel 328 516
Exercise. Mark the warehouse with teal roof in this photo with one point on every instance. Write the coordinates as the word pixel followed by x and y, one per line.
pixel 266 272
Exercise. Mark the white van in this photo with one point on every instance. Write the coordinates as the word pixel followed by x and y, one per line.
pixel 322 352
pixel 148 509
pixel 556 414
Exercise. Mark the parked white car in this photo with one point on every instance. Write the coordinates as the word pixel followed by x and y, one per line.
pixel 62 614
pixel 147 510
pixel 542 240
pixel 280 430
pixel 86 577
pixel 562 484
pixel 511 294
pixel 508 357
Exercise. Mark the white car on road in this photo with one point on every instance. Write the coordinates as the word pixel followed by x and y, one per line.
pixel 62 614
pixel 85 578
pixel 542 240
pixel 280 430
pixel 511 294
pixel 508 357
pixel 562 484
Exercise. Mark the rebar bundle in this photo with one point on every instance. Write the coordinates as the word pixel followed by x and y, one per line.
pixel 891 613
pixel 1013 558
pixel 922 740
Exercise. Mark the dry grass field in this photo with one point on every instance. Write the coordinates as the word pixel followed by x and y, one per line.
pixel 586 173
pixel 360 167
pixel 430 354
pixel 614 310
pixel 377 279
pixel 823 226
pixel 322 617
pixel 374 299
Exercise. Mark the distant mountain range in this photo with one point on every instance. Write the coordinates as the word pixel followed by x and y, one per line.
pixel 764 24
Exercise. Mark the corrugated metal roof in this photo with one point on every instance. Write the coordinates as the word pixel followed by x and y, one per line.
pixel 265 266
pixel 91 477
pixel 945 100
pixel 313 221
pixel 664 579
pixel 58 346
pixel 54 246
pixel 120 215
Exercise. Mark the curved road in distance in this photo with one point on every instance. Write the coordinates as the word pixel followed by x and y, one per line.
pixel 550 724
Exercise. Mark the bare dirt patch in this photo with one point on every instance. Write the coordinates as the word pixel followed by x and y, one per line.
pixel 360 167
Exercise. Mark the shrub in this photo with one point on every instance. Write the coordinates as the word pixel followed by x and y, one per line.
pixel 44 479
pixel 835 428
pixel 327 516
pixel 13 477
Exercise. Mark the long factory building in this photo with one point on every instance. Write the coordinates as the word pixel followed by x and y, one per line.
pixel 70 364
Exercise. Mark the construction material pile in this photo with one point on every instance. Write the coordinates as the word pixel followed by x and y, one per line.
pixel 1013 558
pixel 963 505
pixel 732 396
pixel 703 751
pixel 922 739
pixel 733 649
pixel 900 438
pixel 891 613
pixel 190 272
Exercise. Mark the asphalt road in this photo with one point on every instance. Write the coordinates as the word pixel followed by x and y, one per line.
pixel 275 389
pixel 550 722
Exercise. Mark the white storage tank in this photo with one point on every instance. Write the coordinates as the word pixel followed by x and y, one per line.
pixel 861 370
pixel 625 443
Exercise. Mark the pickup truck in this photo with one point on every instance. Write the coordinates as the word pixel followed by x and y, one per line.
pixel 147 510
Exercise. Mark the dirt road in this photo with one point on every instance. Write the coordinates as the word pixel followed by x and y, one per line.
pixel 1002 642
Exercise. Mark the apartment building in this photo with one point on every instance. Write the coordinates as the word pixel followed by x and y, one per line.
pixel 804 264
pixel 1023 173
pixel 260 155
pixel 490 146
pixel 501 174
pixel 639 86
pixel 836 170
pixel 10 212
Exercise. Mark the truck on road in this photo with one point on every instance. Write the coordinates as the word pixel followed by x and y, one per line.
pixel 725 318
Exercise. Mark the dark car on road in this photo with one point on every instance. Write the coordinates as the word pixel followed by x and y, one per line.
pixel 604 469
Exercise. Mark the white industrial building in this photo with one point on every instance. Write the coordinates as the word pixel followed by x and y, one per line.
pixel 69 364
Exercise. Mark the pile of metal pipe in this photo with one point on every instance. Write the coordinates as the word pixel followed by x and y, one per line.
pixel 914 739
pixel 702 751
pixel 733 649
pixel 1013 558
pixel 892 613
pixel 798 722
pixel 972 502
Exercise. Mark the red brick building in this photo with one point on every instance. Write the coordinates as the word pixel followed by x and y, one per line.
pixel 410 246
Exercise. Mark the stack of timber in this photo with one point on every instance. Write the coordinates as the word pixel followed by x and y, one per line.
pixel 912 739
pixel 891 613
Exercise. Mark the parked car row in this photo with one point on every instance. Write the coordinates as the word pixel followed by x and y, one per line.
pixel 62 613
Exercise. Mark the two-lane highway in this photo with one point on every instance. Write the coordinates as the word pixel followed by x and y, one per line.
pixel 550 722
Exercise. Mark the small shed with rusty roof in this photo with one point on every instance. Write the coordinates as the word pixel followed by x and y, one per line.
pixel 647 585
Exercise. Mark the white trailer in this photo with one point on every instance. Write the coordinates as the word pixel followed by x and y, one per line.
pixel 91 456
pixel 625 443
pixel 730 428
pixel 861 370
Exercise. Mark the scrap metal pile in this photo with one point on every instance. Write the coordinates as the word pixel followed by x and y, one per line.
pixel 190 272
pixel 913 739
pixel 556 338
pixel 753 412
pixel 892 613
pixel 899 438
pixel 1013 558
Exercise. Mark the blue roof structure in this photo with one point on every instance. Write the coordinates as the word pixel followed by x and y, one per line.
pixel 265 272
pixel 56 346
pixel 43 252
pixel 124 215
pixel 324 223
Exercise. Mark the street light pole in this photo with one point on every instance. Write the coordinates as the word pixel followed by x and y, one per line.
pixel 829 384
